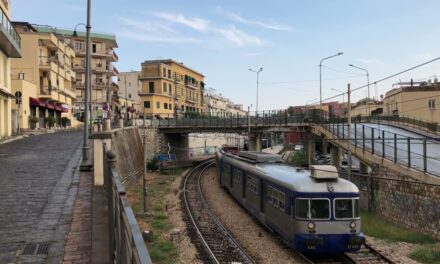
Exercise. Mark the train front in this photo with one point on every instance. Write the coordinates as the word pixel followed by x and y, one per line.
pixel 326 214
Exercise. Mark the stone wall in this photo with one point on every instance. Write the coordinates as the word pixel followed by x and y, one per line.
pixel 402 201
pixel 128 145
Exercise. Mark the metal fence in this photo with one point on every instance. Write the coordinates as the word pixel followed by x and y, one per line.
pixel 406 150
pixel 126 244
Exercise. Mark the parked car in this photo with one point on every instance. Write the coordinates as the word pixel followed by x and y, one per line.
pixel 298 147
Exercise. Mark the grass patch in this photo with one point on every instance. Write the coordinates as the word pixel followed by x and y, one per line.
pixel 382 229
pixel 427 255
pixel 161 250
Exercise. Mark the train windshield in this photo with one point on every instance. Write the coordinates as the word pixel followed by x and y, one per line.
pixel 312 208
pixel 346 208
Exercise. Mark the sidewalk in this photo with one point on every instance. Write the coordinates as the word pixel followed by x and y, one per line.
pixel 275 150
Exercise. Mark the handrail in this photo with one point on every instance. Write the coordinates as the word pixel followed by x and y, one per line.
pixel 126 244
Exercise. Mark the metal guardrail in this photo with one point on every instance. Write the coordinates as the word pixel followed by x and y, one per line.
pixel 126 244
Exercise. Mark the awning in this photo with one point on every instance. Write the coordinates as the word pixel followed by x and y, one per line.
pixel 36 102
pixel 6 94
pixel 58 108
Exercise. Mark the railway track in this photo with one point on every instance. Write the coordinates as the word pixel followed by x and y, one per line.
pixel 366 255
pixel 211 238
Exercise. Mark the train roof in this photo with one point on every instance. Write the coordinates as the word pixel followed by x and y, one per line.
pixel 292 178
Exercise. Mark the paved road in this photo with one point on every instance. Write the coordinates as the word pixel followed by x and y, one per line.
pixel 415 145
pixel 38 186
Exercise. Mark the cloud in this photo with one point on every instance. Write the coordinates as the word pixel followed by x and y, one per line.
pixel 156 38
pixel 250 54
pixel 238 37
pixel 371 61
pixel 194 23
pixel 268 25
pixel 146 26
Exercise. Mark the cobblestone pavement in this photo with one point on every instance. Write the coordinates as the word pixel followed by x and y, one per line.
pixel 38 185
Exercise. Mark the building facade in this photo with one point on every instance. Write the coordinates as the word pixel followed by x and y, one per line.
pixel 103 72
pixel 10 47
pixel 367 107
pixel 44 77
pixel 215 104
pixel 169 88
pixel 129 90
pixel 419 102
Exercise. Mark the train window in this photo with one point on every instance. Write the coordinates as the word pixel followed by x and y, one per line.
pixel 312 208
pixel 302 208
pixel 275 197
pixel 226 170
pixel 252 184
pixel 346 208
pixel 236 175
pixel 320 209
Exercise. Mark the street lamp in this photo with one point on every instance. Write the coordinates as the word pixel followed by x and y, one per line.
pixel 368 84
pixel 86 165
pixel 320 77
pixel 258 73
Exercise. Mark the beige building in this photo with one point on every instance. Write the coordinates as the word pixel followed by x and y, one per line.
pixel 169 88
pixel 129 90
pixel 10 47
pixel 103 71
pixel 44 77
pixel 367 107
pixel 217 105
pixel 419 102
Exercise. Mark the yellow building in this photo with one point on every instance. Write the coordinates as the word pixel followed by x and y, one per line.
pixel 169 88
pixel 10 47
pixel 43 76
pixel 103 71
pixel 367 107
pixel 419 102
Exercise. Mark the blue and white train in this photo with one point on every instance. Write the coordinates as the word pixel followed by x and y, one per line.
pixel 313 211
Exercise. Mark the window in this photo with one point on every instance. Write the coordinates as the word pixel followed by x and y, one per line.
pixel 275 197
pixel 226 170
pixel 169 74
pixel 164 87
pixel 129 95
pixel 158 105
pixel 431 103
pixel 182 107
pixel 170 106
pixel 164 72
pixel 151 85
pixel 312 208
pixel 165 105
pixel 346 208
pixel 129 84
pixel 236 176
pixel 252 184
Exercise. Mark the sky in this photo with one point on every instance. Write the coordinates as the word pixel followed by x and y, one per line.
pixel 287 38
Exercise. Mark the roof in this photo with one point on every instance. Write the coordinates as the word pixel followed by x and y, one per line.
pixel 24 24
pixel 81 34
pixel 169 61
pixel 421 88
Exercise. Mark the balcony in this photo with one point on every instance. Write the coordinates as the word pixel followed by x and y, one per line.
pixel 115 71
pixel 113 57
pixel 10 41
pixel 48 63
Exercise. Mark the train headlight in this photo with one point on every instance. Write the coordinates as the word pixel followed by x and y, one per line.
pixel 311 227
pixel 352 225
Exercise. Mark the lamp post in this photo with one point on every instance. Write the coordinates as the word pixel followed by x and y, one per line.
pixel 85 150
pixel 320 77
pixel 368 84
pixel 258 73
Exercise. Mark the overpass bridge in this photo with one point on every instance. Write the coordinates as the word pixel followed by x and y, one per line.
pixel 402 144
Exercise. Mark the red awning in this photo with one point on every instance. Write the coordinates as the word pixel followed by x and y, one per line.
pixel 36 102
pixel 58 108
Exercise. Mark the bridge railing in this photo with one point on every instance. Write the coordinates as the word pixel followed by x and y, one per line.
pixel 416 153
pixel 126 244
pixel 425 125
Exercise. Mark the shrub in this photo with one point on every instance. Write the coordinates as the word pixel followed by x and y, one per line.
pixel 65 121
pixel 33 120
pixel 50 121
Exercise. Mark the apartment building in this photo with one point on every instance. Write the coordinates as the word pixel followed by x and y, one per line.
pixel 216 104
pixel 415 100
pixel 103 72
pixel 129 90
pixel 169 88
pixel 367 107
pixel 10 47
pixel 44 77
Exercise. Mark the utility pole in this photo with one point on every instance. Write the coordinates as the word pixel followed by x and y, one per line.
pixel 349 132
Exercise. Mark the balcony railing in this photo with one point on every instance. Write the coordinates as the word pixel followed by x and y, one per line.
pixel 10 38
